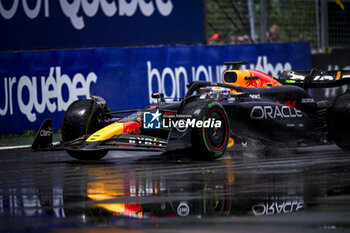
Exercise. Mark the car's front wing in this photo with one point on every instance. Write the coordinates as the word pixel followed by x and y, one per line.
pixel 130 142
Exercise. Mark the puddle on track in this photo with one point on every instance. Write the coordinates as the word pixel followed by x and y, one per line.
pixel 287 190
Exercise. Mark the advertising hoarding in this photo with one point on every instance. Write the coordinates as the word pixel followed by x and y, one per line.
pixel 44 24
pixel 39 85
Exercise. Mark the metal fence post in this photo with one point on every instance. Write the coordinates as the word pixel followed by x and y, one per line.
pixel 251 20
pixel 324 24
pixel 263 21
pixel 318 27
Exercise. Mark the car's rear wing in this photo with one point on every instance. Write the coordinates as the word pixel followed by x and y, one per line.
pixel 315 78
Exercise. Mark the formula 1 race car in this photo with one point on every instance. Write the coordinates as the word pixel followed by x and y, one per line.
pixel 249 109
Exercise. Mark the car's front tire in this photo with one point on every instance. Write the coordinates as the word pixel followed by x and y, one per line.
pixel 79 120
pixel 76 119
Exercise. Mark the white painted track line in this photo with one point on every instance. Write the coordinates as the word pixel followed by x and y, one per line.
pixel 21 146
pixel 14 147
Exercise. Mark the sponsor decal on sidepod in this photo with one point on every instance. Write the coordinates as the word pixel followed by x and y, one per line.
pixel 274 112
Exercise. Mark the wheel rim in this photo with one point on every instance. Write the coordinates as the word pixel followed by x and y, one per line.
pixel 217 137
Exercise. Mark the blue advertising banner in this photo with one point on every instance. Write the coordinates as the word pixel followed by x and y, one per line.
pixel 38 85
pixel 44 24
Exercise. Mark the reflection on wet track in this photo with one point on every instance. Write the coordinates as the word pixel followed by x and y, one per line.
pixel 288 190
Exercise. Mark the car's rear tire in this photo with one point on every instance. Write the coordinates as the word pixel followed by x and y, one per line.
pixel 207 143
pixel 339 121
pixel 78 121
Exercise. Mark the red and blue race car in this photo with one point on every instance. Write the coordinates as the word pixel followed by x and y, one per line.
pixel 250 108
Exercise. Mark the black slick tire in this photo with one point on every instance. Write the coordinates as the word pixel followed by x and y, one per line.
pixel 339 121
pixel 76 123
pixel 208 143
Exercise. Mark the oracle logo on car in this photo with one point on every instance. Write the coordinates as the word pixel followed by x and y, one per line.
pixel 75 10
pixel 274 112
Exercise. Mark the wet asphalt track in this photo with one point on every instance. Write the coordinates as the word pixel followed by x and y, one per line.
pixel 304 190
